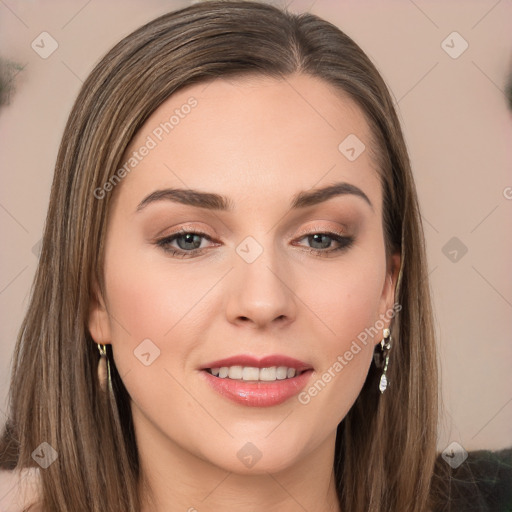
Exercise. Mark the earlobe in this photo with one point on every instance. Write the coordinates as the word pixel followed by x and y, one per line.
pixel 98 321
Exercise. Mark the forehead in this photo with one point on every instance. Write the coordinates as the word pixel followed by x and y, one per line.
pixel 252 138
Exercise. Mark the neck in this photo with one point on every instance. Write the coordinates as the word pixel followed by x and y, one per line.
pixel 173 479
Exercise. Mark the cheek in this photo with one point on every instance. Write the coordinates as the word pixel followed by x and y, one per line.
pixel 347 302
pixel 347 299
pixel 148 297
pixel 150 304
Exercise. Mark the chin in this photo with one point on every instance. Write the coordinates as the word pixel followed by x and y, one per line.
pixel 256 455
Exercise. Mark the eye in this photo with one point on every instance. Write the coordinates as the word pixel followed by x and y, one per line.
pixel 188 243
pixel 321 242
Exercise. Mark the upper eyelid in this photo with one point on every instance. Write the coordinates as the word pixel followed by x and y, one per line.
pixel 342 229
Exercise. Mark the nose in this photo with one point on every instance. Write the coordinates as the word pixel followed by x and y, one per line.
pixel 261 293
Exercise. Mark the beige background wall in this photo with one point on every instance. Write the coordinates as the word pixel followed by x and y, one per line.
pixel 458 129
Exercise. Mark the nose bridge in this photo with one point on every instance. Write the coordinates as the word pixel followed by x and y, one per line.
pixel 260 290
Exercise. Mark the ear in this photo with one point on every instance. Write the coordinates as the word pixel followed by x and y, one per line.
pixel 387 302
pixel 99 322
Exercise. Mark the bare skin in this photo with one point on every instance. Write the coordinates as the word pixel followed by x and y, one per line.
pixel 258 141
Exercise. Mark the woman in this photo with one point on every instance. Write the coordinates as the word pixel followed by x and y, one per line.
pixel 231 309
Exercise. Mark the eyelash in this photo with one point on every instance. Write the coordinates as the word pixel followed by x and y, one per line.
pixel 344 241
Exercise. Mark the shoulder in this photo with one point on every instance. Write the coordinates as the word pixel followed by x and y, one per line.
pixel 481 483
pixel 19 490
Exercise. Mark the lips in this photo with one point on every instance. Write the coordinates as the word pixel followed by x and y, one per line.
pixel 258 393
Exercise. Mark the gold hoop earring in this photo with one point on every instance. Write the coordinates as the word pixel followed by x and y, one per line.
pixel 104 369
pixel 382 359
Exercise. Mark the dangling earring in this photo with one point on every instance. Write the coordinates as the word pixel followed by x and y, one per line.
pixel 382 359
pixel 104 368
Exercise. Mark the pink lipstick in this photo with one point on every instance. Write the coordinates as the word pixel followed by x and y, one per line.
pixel 257 382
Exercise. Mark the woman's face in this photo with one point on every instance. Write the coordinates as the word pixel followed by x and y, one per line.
pixel 277 269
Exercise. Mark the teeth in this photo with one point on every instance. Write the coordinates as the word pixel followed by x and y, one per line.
pixel 268 374
pixel 250 373
pixel 235 372
pixel 281 372
pixel 254 374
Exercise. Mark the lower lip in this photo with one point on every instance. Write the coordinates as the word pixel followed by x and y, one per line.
pixel 258 394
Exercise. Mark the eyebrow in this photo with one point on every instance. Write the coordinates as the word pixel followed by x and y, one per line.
pixel 219 202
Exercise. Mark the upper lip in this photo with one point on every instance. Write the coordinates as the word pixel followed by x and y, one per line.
pixel 259 362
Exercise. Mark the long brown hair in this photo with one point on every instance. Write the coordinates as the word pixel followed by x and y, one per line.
pixel 385 446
